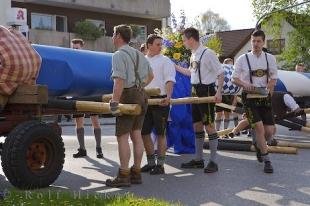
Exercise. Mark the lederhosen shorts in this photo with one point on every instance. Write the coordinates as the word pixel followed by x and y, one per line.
pixel 156 118
pixel 204 112
pixel 226 99
pixel 258 110
pixel 128 123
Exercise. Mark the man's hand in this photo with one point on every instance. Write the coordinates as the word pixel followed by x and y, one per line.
pixel 165 101
pixel 218 97
pixel 248 87
pixel 270 86
pixel 114 107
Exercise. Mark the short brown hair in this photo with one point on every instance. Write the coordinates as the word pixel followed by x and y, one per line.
pixel 124 31
pixel 227 60
pixel 77 41
pixel 191 32
pixel 151 38
pixel 260 33
pixel 301 64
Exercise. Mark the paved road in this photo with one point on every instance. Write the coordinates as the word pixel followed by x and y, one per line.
pixel 240 180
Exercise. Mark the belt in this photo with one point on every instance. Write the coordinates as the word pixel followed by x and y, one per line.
pixel 259 73
pixel 133 87
pixel 208 85
pixel 158 96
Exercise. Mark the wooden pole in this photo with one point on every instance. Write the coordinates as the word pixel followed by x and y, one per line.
pixel 223 132
pixel 185 100
pixel 305 129
pixel 246 145
pixel 280 150
pixel 232 108
pixel 303 145
pixel 149 92
pixel 307 110
pixel 104 108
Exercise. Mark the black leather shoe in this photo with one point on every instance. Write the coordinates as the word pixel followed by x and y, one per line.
pixel 157 170
pixel 268 167
pixel 80 153
pixel 147 168
pixel 193 164
pixel 99 152
pixel 211 167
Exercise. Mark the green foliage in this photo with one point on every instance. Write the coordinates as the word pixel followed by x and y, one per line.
pixel 87 30
pixel 297 51
pixel 215 44
pixel 298 41
pixel 30 198
pixel 136 30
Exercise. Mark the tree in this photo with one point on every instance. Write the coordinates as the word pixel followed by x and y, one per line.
pixel 87 30
pixel 210 22
pixel 298 44
pixel 215 43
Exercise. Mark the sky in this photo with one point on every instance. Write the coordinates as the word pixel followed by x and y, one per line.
pixel 238 13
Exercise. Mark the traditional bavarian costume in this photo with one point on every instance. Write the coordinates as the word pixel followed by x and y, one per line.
pixel 257 71
pixel 205 68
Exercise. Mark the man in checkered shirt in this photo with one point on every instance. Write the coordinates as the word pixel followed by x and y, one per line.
pixel 20 63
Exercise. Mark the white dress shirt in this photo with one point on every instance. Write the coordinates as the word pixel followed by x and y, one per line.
pixel 210 66
pixel 242 71
pixel 163 70
pixel 290 102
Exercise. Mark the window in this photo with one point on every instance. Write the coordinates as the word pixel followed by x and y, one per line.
pixel 48 22
pixel 61 23
pixel 41 21
pixel 276 46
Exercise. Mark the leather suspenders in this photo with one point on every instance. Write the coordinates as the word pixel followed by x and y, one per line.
pixel 250 68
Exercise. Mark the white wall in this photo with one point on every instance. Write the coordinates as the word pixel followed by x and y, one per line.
pixel 243 50
pixel 286 28
pixel 4 6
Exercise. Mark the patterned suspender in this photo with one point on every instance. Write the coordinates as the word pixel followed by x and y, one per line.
pixel 138 81
pixel 250 69
pixel 199 73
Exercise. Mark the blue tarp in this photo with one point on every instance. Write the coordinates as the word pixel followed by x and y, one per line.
pixel 180 132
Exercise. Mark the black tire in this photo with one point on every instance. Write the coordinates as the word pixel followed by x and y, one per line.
pixel 16 159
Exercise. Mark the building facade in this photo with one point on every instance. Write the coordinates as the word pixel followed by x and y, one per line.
pixel 57 18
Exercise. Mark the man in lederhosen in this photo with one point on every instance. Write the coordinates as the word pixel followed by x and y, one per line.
pixel 204 70
pixel 257 70
pixel 130 72
pixel 157 115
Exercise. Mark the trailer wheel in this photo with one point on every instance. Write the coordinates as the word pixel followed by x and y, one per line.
pixel 33 155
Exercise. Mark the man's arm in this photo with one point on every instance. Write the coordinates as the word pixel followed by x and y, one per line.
pixel 182 70
pixel 218 95
pixel 149 78
pixel 271 84
pixel 117 89
pixel 244 85
pixel 169 90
